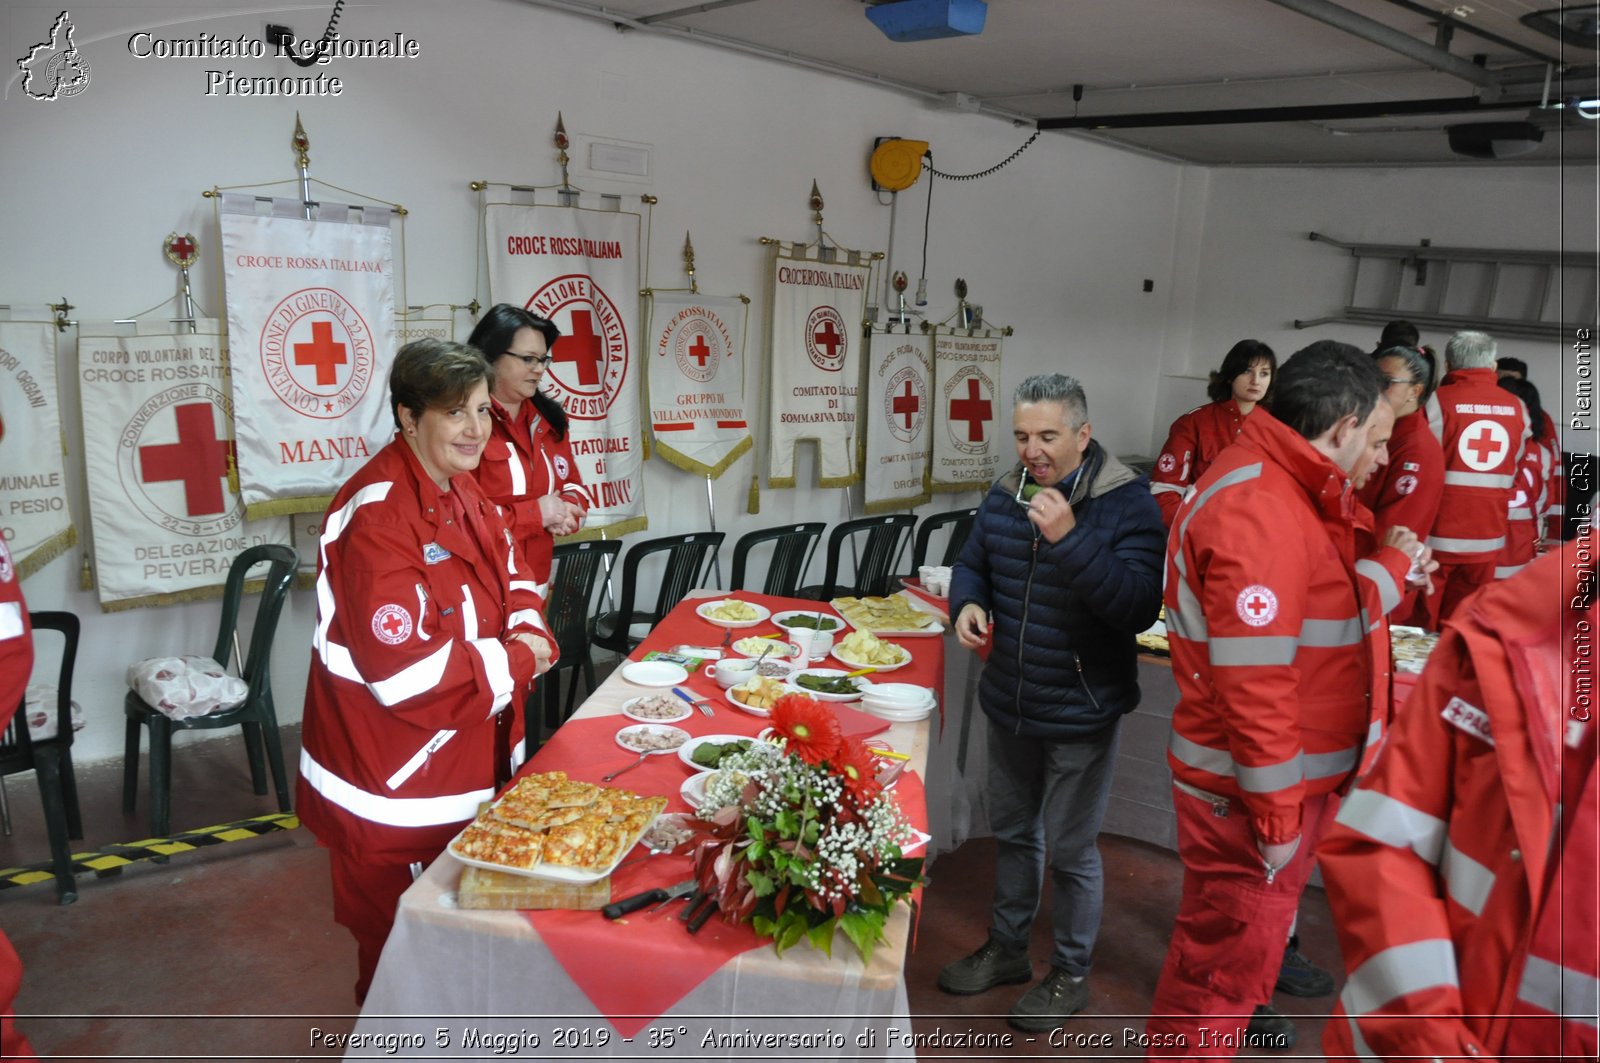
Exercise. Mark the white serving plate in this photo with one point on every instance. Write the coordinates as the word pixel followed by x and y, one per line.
pixel 901 695
pixel 898 715
pixel 686 751
pixel 653 728
pixel 751 646
pixel 654 673
pixel 627 709
pixel 703 610
pixel 863 684
pixel 935 625
pixel 838 655
pixel 693 789
pixel 742 707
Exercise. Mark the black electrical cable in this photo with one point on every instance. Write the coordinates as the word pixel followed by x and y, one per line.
pixel 927 219
pixel 981 173
pixel 327 38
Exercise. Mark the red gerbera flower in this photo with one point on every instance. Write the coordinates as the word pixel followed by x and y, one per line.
pixel 858 768
pixel 812 731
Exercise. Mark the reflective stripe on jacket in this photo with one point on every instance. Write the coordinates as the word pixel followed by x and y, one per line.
pixel 523 462
pixel 1482 429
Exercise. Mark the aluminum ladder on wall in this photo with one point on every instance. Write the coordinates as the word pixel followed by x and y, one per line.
pixel 1527 294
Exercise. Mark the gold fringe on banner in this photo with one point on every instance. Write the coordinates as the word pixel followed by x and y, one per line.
pixel 193 594
pixel 85 574
pixel 945 489
pixel 613 531
pixel 280 507
pixel 894 505
pixel 683 461
pixel 752 502
pixel 47 552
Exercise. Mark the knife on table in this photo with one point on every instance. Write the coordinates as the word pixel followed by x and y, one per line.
pixel 700 703
pixel 661 894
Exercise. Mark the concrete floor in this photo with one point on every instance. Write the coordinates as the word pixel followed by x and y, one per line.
pixel 231 951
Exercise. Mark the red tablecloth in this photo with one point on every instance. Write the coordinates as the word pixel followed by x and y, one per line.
pixel 589 946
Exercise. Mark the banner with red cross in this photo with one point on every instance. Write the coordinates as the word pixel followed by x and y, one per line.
pixel 311 336
pixel 969 448
pixel 898 415
pixel 580 269
pixel 697 412
pixel 814 375
pixel 156 430
pixel 34 519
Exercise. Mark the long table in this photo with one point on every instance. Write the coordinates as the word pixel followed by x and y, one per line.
pixel 453 981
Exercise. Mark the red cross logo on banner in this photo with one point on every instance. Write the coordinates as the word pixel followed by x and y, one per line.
pixel 595 345
pixel 825 339
pixel 700 350
pixel 1485 445
pixel 322 352
pixel 199 459
pixel 975 410
pixel 1257 605
pixel 584 348
pixel 907 403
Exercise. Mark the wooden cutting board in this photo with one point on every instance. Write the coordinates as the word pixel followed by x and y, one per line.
pixel 498 890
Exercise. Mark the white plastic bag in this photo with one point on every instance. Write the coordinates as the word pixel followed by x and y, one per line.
pixel 181 687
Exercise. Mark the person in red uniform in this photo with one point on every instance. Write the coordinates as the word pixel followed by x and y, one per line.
pixel 428 630
pixel 1482 430
pixel 1196 438
pixel 1405 492
pixel 528 467
pixel 1461 874
pixel 1276 661
pixel 1550 439
pixel 1530 495
pixel 16 666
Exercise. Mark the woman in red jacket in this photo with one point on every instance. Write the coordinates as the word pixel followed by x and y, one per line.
pixel 1530 495
pixel 528 468
pixel 1196 438
pixel 1405 493
pixel 428 634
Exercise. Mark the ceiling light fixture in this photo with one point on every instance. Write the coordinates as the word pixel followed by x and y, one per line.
pixel 1494 140
pixel 926 20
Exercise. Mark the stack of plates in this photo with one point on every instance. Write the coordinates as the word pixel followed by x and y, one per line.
pixel 899 702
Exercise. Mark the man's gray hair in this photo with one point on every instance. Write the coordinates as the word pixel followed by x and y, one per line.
pixel 1056 387
pixel 1470 350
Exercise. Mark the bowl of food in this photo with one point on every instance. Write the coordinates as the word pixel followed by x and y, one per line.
pixel 756 645
pixel 757 695
pixel 651 738
pixel 829 684
pixel 731 612
pixel 656 708
pixel 863 649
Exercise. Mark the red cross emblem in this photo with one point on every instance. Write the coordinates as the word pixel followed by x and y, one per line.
pixel 825 339
pixel 391 624
pixel 583 348
pixel 700 350
pixel 322 352
pixel 907 403
pixel 1484 445
pixel 182 250
pixel 198 459
pixel 1257 605
pixel 975 410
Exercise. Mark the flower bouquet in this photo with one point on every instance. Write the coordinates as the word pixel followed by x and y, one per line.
pixel 805 841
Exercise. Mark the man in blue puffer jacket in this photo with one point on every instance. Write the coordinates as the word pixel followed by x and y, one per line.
pixel 1062 569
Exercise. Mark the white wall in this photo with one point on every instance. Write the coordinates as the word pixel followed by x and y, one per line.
pixel 1056 245
pixel 1258 270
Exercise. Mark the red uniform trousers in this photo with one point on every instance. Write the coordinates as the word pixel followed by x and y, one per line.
pixel 1227 944
pixel 13 1045
pixel 365 898
pixel 1452 583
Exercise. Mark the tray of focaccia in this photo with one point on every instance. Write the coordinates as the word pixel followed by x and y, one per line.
pixel 897 616
pixel 549 826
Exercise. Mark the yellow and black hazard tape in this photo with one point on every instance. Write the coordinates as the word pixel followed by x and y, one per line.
pixel 111 858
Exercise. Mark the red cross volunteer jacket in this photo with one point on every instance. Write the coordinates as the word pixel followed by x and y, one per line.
pixel 1193 443
pixel 1530 501
pixel 1482 429
pixel 1439 868
pixel 523 462
pixel 1275 656
pixel 409 661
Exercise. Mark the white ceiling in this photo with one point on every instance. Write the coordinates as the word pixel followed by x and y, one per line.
pixel 1158 56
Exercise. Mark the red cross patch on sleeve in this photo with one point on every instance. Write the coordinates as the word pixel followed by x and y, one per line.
pixel 1257 605
pixel 391 624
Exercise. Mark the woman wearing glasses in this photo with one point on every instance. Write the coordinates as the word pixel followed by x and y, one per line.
pixel 528 468
pixel 1405 493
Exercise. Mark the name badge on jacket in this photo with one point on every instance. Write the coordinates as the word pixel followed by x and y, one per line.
pixel 433 553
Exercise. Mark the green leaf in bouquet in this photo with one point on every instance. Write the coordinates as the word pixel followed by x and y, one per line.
pixel 864 928
pixel 761 884
pixel 821 936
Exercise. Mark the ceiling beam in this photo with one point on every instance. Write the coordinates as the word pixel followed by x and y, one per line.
pixel 1389 37
pixel 1311 113
pixel 693 9
pixel 1444 18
